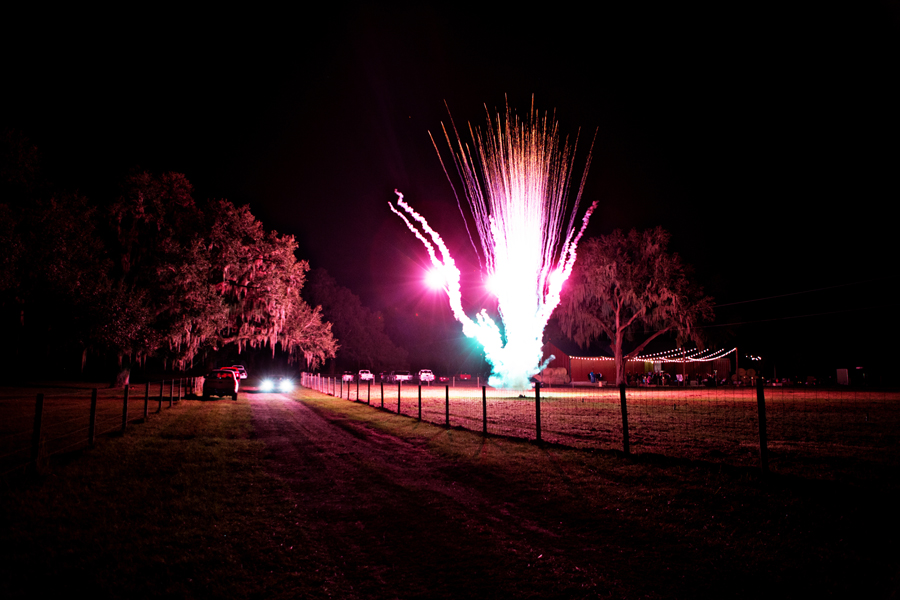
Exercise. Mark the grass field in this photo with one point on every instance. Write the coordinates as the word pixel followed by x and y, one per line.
pixel 814 432
pixel 842 434
pixel 182 506
pixel 66 415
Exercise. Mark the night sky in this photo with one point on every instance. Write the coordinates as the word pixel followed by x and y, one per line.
pixel 764 137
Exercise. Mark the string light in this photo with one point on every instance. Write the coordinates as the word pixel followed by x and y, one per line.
pixel 671 356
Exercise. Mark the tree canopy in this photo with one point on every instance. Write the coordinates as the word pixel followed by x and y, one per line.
pixel 210 275
pixel 152 273
pixel 629 287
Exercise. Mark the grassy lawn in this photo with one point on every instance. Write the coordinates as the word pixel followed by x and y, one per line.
pixel 176 507
pixel 785 537
pixel 182 506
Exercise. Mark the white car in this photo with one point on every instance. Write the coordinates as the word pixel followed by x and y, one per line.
pixel 241 370
pixel 347 376
pixel 425 375
pixel 398 376
pixel 366 375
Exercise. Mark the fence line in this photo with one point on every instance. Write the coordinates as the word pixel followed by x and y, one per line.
pixel 798 430
pixel 51 429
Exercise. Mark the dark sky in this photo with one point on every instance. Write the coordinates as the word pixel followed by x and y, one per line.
pixel 763 136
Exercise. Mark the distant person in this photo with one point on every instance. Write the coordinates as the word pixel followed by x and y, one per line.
pixel 592 377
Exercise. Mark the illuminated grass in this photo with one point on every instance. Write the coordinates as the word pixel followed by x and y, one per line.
pixel 181 506
pixel 824 433
pixel 176 507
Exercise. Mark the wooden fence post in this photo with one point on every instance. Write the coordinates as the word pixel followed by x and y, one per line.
pixel 484 410
pixel 146 398
pixel 447 405
pixel 625 445
pixel 420 401
pixel 125 408
pixel 162 385
pixel 382 394
pixel 369 392
pixel 357 388
pixel 537 411
pixel 92 425
pixel 171 392
pixel 36 432
pixel 180 379
pixel 399 383
pixel 763 437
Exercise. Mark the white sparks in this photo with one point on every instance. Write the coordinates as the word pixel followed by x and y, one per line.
pixel 517 191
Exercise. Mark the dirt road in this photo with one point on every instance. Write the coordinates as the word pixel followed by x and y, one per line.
pixel 401 522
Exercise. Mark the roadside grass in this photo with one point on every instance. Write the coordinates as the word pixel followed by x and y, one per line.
pixel 181 506
pixel 176 507
pixel 725 530
pixel 826 433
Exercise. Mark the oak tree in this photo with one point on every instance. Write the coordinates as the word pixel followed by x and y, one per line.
pixel 630 287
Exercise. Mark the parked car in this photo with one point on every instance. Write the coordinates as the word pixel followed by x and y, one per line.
pixel 426 376
pixel 465 377
pixel 443 379
pixel 366 375
pixel 398 376
pixel 241 370
pixel 347 376
pixel 221 382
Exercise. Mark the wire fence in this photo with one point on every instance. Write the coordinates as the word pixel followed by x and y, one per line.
pixel 809 431
pixel 62 419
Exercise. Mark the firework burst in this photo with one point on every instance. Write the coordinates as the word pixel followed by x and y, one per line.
pixel 516 177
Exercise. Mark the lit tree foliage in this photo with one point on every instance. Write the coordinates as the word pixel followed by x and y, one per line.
pixel 153 274
pixel 259 280
pixel 625 285
pixel 162 270
pixel 209 276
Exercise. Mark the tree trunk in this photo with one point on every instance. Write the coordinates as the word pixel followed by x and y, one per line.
pixel 122 377
pixel 620 358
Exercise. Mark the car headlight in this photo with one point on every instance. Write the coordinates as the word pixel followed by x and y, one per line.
pixel 267 385
pixel 286 385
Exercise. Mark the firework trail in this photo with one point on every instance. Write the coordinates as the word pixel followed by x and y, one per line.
pixel 517 182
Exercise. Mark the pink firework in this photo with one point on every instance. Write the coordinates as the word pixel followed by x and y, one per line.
pixel 516 178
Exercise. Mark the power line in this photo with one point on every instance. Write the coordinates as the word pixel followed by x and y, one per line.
pixel 830 287
pixel 833 312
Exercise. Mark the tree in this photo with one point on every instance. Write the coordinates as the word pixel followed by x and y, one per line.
pixel 360 330
pixel 62 275
pixel 259 280
pixel 624 283
pixel 206 275
pixel 161 274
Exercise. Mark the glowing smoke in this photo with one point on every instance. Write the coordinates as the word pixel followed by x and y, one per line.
pixel 517 191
